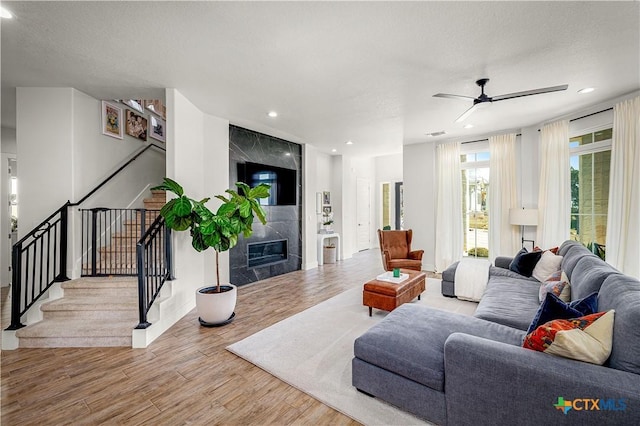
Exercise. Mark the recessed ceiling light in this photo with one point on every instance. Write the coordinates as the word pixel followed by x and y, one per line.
pixel 334 150
pixel 586 90
pixel 272 114
pixel 4 13
pixel 349 143
pixel 468 126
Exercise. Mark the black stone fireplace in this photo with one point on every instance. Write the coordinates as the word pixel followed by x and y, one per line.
pixel 266 253
pixel 276 248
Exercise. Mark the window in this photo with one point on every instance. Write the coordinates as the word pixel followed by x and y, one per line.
pixel 590 164
pixel 475 213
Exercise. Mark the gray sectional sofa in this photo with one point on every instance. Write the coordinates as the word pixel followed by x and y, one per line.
pixel 454 369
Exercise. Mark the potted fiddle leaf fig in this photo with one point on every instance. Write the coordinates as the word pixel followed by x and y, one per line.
pixel 220 231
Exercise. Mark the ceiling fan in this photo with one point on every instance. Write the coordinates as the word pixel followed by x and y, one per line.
pixel 484 100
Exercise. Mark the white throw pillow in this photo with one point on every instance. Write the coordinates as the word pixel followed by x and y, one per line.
pixel 547 265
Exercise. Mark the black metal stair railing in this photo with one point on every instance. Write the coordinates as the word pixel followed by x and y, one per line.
pixel 154 260
pixel 39 259
pixel 109 238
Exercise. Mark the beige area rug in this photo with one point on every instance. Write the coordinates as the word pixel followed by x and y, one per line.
pixel 312 351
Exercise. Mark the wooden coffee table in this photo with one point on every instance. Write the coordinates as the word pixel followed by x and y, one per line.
pixel 388 296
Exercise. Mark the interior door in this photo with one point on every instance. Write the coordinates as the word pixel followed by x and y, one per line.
pixel 363 214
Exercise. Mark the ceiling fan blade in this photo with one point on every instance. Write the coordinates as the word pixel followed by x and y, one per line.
pixel 467 113
pixel 446 95
pixel 529 92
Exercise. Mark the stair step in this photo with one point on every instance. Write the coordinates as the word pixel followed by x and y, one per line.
pixel 74 333
pixel 100 282
pixel 159 193
pixel 92 308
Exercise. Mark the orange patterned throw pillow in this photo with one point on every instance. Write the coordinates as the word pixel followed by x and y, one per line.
pixel 587 338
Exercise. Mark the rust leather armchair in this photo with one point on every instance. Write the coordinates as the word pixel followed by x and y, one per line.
pixel 395 247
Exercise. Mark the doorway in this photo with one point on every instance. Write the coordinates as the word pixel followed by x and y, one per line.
pixel 363 214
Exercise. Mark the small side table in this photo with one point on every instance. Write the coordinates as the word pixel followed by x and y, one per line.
pixel 321 238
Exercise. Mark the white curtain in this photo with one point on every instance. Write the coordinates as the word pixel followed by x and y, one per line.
pixel 449 206
pixel 623 219
pixel 554 199
pixel 503 237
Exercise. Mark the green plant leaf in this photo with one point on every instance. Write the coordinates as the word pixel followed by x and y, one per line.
pixel 233 240
pixel 223 198
pixel 260 191
pixel 244 188
pixel 208 227
pixel 182 207
pixel 168 207
pixel 202 211
pixel 245 208
pixel 234 195
pixel 226 209
pixel 212 240
pixel 197 240
pixel 259 212
pixel 178 223
pixel 170 185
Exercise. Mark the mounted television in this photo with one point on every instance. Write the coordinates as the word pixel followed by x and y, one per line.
pixel 284 182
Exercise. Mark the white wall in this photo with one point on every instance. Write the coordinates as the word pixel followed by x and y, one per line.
pixel 195 143
pixel 69 161
pixel 8 149
pixel 419 186
pixel 44 126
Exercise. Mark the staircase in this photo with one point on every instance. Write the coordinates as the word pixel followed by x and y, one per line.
pixel 96 311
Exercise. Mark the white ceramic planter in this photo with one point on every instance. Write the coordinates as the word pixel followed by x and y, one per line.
pixel 216 308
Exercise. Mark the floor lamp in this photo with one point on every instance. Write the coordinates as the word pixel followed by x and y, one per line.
pixel 524 217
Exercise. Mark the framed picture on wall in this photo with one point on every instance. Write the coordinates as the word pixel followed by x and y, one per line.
pixel 135 104
pixel 136 125
pixel 326 198
pixel 157 129
pixel 111 120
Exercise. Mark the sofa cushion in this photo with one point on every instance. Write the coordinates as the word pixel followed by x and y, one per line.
pixel 622 293
pixel 588 275
pixel 410 341
pixel 562 289
pixel 553 308
pixel 449 274
pixel 588 338
pixel 509 299
pixel 524 262
pixel 547 265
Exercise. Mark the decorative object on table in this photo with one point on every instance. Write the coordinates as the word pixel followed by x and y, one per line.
pixel 220 230
pixel 524 217
pixel 136 125
pixel 395 248
pixel 327 220
pixel 329 253
pixel 158 129
pixel 111 120
pixel 390 277
pixel 396 272
pixel 326 198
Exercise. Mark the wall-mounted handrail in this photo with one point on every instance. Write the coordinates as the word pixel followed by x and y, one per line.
pixel 112 175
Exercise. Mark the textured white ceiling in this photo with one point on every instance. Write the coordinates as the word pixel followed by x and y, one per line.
pixel 361 71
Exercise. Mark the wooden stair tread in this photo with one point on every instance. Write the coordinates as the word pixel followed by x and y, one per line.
pixel 92 303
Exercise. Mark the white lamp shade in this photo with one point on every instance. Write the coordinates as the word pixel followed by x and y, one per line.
pixel 523 217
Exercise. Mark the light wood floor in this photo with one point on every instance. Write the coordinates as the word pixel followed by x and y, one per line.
pixel 186 376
